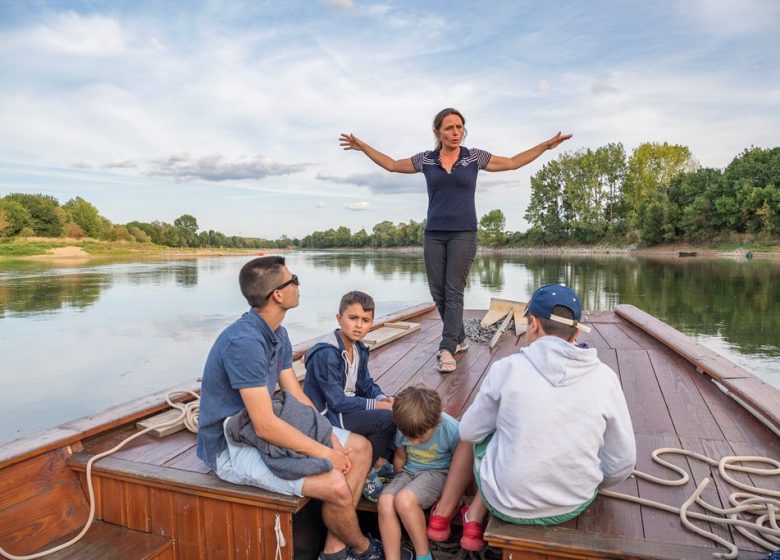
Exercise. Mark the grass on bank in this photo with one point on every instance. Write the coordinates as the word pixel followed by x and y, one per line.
pixel 37 246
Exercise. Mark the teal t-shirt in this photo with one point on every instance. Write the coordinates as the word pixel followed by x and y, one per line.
pixel 436 453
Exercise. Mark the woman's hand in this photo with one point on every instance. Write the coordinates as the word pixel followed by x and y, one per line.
pixel 350 142
pixel 553 142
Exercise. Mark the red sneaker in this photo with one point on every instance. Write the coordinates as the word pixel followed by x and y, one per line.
pixel 439 525
pixel 472 533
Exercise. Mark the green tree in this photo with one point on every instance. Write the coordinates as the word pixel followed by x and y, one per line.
pixel 651 168
pixel 17 217
pixel 43 211
pixel 85 215
pixel 491 228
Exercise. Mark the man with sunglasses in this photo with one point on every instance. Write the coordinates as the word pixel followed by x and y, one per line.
pixel 242 370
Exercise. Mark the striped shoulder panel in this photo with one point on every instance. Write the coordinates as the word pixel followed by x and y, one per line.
pixel 476 155
pixel 421 159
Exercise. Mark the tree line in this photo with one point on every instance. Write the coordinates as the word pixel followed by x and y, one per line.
pixel 657 194
pixel 41 215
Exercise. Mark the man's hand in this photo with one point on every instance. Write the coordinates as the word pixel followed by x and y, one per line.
pixel 340 459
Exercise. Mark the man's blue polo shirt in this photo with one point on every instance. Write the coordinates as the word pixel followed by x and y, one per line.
pixel 247 354
pixel 451 205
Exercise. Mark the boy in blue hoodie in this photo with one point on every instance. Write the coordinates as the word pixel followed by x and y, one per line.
pixel 341 388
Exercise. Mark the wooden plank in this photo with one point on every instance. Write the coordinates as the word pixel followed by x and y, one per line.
pixel 191 483
pixel 188 461
pixel 737 424
pixel 112 501
pixel 246 532
pixel 30 526
pixel 167 418
pixel 560 542
pixel 161 512
pixel 686 406
pixel 387 334
pixel 217 529
pixel 188 516
pixel 615 337
pixel 660 525
pixel 155 451
pixel 612 517
pixel 104 540
pixel 646 405
pixel 136 502
pixel 761 396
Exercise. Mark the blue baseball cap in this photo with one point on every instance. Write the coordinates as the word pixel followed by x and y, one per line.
pixel 548 296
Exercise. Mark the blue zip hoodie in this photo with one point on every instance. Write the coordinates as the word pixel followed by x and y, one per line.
pixel 326 380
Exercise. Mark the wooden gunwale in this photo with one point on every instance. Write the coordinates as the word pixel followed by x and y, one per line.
pixel 743 384
pixel 74 431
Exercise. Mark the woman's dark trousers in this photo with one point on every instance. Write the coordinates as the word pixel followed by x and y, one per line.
pixel 448 257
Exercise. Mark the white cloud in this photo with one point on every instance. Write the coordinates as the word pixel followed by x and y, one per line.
pixel 122 164
pixel 359 206
pixel 340 4
pixel 544 87
pixel 215 167
pixel 70 34
pixel 378 181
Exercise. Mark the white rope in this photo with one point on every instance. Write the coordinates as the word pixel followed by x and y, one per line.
pixel 280 540
pixel 761 502
pixel 189 413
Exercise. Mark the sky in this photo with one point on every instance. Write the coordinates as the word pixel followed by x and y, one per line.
pixel 231 111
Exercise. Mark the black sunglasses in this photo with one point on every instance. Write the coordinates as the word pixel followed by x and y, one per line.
pixel 294 280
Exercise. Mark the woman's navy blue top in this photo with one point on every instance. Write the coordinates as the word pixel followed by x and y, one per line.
pixel 451 204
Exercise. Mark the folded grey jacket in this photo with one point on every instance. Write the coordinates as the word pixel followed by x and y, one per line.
pixel 285 463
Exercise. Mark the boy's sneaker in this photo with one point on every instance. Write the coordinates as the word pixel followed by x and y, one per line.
pixel 407 554
pixel 373 487
pixel 374 551
pixel 345 554
pixel 386 473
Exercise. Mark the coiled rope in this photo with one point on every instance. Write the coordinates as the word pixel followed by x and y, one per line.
pixel 188 413
pixel 760 502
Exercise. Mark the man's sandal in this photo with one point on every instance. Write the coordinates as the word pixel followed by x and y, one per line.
pixel 445 366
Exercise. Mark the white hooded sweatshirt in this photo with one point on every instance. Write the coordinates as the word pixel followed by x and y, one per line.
pixel 561 429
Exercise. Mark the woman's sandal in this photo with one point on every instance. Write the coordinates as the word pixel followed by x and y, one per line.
pixel 462 347
pixel 445 366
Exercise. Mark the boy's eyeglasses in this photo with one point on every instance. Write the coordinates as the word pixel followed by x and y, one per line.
pixel 294 280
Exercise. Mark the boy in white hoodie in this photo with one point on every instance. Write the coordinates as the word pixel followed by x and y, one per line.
pixel 549 427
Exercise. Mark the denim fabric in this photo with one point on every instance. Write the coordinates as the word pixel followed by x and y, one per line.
pixel 243 464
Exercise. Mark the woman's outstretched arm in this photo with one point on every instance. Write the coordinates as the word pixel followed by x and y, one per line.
pixel 499 163
pixel 351 142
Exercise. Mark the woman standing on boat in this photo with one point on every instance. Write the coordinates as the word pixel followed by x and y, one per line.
pixel 451 225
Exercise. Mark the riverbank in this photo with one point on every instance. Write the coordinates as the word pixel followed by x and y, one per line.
pixel 41 248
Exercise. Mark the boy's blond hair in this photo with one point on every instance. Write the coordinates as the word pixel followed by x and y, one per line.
pixel 416 410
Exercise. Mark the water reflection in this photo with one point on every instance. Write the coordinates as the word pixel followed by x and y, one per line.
pixel 27 289
pixel 107 332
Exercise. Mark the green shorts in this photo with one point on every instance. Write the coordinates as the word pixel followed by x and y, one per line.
pixel 479 453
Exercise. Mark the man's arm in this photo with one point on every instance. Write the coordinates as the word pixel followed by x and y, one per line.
pixel 278 432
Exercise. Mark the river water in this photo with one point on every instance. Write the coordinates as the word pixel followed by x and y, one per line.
pixel 77 338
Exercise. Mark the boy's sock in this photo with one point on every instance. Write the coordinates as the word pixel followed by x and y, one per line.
pixel 428 556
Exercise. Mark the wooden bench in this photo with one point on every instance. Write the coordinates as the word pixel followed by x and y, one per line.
pixel 106 540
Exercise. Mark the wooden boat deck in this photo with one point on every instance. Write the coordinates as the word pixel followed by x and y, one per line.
pixel 158 486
